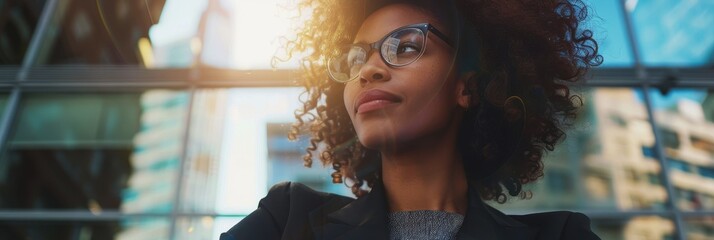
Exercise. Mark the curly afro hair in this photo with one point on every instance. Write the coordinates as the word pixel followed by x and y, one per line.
pixel 532 49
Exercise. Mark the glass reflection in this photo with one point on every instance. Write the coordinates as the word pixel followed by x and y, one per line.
pixel 238 149
pixel 94 152
pixel 128 229
pixel 158 147
pixel 154 34
pixel 699 228
pixel 686 121
pixel 203 227
pixel 172 33
pixel 605 162
pixel 223 34
pixel 18 20
pixel 641 227
pixel 673 32
pixel 3 103
pixel 98 32
pixel 203 156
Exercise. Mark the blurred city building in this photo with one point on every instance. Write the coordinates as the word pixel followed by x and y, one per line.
pixel 688 138
pixel 156 161
pixel 606 163
pixel 619 169
pixel 201 170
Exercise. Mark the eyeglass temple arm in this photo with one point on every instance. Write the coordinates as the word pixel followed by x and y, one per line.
pixel 441 35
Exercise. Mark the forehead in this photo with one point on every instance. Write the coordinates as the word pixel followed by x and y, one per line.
pixel 391 17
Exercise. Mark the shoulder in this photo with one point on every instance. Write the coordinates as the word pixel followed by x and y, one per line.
pixel 561 224
pixel 286 204
pixel 291 193
pixel 292 197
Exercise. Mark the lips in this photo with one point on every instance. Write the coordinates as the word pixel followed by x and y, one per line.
pixel 374 99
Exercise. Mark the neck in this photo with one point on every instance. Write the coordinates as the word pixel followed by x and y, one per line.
pixel 426 176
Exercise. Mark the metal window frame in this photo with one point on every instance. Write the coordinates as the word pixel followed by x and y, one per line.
pixel 31 78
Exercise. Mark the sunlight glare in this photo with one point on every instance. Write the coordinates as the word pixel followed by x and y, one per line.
pixel 259 27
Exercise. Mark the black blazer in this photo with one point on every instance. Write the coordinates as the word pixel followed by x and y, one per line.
pixel 294 211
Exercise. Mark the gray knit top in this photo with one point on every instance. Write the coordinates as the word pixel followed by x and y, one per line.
pixel 423 224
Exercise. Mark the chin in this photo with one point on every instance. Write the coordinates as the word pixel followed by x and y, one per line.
pixel 376 141
pixel 394 133
pixel 380 137
pixel 383 140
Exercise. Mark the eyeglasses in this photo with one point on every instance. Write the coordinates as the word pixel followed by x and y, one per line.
pixel 398 48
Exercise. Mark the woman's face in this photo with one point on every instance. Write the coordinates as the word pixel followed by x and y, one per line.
pixel 394 108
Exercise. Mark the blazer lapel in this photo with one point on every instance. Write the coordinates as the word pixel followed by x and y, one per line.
pixel 484 223
pixel 363 218
pixel 366 218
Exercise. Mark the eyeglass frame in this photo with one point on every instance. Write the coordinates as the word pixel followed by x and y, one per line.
pixel 424 27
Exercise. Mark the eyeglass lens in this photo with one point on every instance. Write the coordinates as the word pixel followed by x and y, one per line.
pixel 398 49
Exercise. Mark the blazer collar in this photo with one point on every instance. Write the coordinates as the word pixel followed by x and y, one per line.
pixel 366 218
pixel 485 222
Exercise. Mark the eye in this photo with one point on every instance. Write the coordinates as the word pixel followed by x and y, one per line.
pixel 408 47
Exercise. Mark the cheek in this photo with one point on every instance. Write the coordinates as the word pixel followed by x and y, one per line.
pixel 436 90
pixel 431 110
pixel 433 103
pixel 348 97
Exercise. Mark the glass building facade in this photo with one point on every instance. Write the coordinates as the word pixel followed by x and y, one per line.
pixel 146 120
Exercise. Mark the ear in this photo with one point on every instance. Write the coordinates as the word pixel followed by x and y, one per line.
pixel 463 94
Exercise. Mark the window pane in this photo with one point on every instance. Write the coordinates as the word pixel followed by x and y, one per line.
pixel 109 151
pixel 686 121
pixel 609 30
pixel 18 20
pixel 171 33
pixel 224 34
pixel 3 103
pixel 699 228
pixel 641 227
pixel 605 162
pixel 673 32
pixel 99 32
pixel 238 143
pixel 204 227
pixel 130 229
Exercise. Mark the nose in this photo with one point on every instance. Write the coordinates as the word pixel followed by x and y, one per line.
pixel 374 70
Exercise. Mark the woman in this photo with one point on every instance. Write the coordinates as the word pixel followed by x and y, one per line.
pixel 425 109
